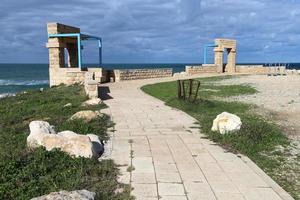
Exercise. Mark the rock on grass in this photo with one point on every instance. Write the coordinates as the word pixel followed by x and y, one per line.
pixel 65 195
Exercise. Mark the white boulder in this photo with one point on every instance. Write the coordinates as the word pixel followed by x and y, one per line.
pixel 92 102
pixel 65 195
pixel 180 74
pixel 86 115
pixel 226 122
pixel 38 129
pixel 42 134
pixel 41 127
pixel 184 74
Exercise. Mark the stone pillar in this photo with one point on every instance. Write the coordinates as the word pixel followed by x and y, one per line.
pixel 56 53
pixel 231 63
pixel 58 74
pixel 219 59
pixel 56 58
pixel 73 55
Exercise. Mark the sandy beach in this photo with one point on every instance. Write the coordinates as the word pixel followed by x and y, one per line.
pixel 278 96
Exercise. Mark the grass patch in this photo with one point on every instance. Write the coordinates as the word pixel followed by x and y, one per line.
pixel 258 138
pixel 26 174
pixel 131 168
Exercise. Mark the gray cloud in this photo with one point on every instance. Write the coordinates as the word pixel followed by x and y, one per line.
pixel 154 30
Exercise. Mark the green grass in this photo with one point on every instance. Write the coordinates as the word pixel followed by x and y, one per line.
pixel 258 138
pixel 29 173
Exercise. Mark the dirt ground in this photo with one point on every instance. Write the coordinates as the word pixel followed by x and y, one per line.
pixel 278 98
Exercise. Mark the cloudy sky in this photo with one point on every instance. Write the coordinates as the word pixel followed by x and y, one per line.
pixel 148 31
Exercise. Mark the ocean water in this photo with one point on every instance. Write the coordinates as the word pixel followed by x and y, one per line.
pixel 21 77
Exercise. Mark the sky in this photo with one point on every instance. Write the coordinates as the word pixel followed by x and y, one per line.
pixel 154 31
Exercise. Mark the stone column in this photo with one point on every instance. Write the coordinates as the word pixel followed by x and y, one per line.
pixel 56 58
pixel 56 53
pixel 219 59
pixel 231 63
pixel 73 55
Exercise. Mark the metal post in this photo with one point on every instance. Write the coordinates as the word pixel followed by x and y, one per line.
pixel 79 50
pixel 204 56
pixel 100 51
pixel 205 52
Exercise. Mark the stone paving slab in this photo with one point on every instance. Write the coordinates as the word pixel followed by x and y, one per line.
pixel 162 157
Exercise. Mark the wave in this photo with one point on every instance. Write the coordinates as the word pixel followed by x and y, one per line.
pixel 7 95
pixel 4 82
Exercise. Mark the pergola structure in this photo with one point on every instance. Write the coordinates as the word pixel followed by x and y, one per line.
pixel 79 38
pixel 62 40
pixel 205 51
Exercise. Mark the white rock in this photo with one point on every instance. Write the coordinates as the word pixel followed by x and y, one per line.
pixel 92 102
pixel 184 74
pixel 226 122
pixel 41 127
pixel 67 134
pixel 86 115
pixel 74 144
pixel 68 105
pixel 180 74
pixel 42 134
pixel 65 195
pixel 38 129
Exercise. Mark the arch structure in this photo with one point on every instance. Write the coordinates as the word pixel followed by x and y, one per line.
pixel 229 46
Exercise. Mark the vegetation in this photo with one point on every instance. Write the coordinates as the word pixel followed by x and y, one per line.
pixel 258 138
pixel 29 173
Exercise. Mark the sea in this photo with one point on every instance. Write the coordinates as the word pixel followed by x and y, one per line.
pixel 16 78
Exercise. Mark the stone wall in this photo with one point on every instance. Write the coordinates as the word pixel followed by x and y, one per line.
pixel 67 76
pixel 70 76
pixel 211 68
pixel 201 69
pixel 252 69
pixel 134 74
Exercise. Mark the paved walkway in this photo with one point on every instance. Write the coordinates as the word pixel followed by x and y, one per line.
pixel 170 160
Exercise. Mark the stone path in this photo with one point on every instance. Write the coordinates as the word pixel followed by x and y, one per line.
pixel 170 161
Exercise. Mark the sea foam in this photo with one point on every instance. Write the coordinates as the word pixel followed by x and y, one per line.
pixel 6 95
pixel 4 82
